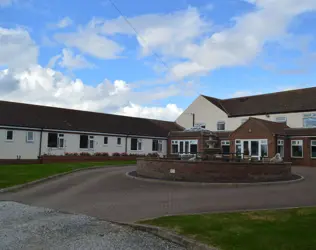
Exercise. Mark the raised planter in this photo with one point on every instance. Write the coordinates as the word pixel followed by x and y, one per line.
pixel 213 171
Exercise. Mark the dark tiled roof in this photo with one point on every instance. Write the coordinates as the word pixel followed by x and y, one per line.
pixel 298 100
pixel 35 116
pixel 273 127
pixel 300 131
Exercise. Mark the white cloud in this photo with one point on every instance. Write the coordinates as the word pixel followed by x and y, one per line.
pixel 17 48
pixel 5 3
pixel 166 33
pixel 91 43
pixel 52 62
pixel 170 112
pixel 240 44
pixel 65 22
pixel 71 61
pixel 45 86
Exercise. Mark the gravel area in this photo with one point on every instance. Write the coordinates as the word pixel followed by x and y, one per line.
pixel 27 227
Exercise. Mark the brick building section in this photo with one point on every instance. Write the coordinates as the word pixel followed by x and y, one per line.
pixel 213 171
pixel 201 136
pixel 259 129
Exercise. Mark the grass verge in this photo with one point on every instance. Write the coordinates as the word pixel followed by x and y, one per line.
pixel 11 175
pixel 261 230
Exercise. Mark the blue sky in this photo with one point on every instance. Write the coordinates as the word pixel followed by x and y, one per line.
pixel 84 55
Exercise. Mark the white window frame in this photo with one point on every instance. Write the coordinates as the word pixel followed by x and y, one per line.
pixel 281 119
pixel 91 139
pixel 297 143
pixel 139 144
pixel 308 116
pixel 117 141
pixel 160 146
pixel 225 143
pixel 6 136
pixel 312 142
pixel 60 137
pixel 28 138
pixel 221 122
pixel 107 140
pixel 281 144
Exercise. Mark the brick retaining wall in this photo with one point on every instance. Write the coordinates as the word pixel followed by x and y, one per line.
pixel 213 171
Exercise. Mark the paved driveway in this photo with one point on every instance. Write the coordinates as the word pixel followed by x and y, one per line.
pixel 108 194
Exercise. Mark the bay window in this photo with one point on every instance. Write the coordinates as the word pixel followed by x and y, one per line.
pixel 184 146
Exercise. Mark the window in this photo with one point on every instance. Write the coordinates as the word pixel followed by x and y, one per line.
pixel 55 140
pixel 313 148
pixel 281 119
pixel 243 120
pixel 297 148
pixel 225 147
pixel 174 148
pixel 238 147
pixel 119 141
pixel 280 148
pixel 181 147
pixel 264 148
pixel 136 144
pixel 9 135
pixel 157 145
pixel 193 147
pixel 29 136
pixel 105 140
pixel 86 141
pixel 309 121
pixel 220 126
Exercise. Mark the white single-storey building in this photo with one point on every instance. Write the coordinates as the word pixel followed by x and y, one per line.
pixel 29 131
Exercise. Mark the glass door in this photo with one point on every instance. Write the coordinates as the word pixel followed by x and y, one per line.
pixel 254 149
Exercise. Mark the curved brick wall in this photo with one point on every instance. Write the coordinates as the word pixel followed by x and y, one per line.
pixel 213 171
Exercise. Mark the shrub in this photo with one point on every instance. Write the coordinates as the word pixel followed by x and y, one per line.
pixel 124 154
pixel 84 154
pixel 116 154
pixel 101 154
pixel 154 155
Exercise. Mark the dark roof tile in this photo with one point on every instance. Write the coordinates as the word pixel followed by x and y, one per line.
pixel 298 100
pixel 35 116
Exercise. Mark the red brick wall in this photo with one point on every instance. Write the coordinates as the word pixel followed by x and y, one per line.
pixel 254 130
pixel 306 160
pixel 212 171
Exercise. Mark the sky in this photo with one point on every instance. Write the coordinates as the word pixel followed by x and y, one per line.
pixel 153 58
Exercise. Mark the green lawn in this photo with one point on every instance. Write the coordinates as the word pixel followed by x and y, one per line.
pixel 265 230
pixel 11 175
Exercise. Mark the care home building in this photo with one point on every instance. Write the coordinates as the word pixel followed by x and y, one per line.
pixel 261 125
pixel 29 131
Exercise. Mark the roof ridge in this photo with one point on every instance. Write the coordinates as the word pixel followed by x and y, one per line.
pixel 78 110
pixel 271 93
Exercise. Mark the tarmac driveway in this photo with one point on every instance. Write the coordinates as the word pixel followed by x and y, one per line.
pixel 108 194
